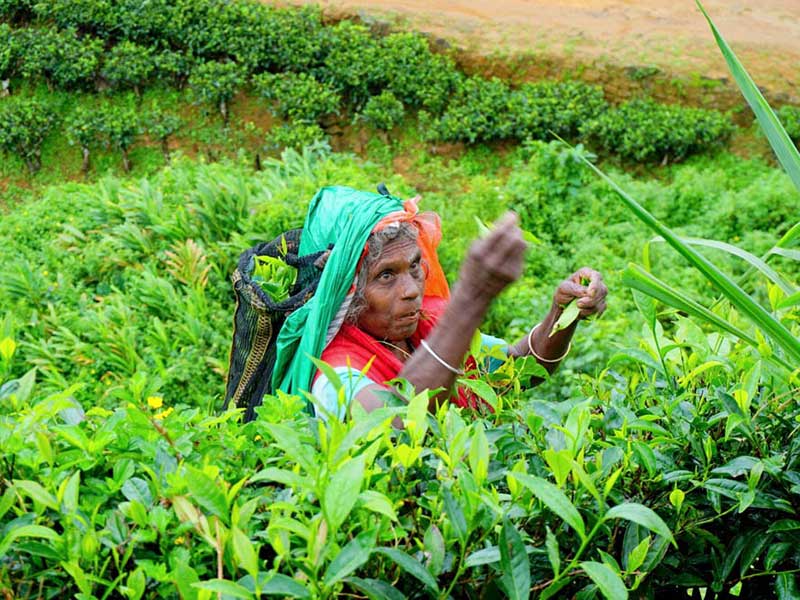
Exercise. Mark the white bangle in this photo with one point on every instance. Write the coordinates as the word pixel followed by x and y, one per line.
pixel 540 358
pixel 439 359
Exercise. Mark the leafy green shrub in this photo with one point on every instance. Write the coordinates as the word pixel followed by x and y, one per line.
pixel 297 96
pixel 350 62
pixel 24 124
pixel 161 126
pixel 643 130
pixel 84 130
pixel 545 193
pixel 173 67
pixel 296 135
pixel 477 112
pixel 128 66
pixel 9 52
pixel 16 10
pixel 216 83
pixel 790 118
pixel 86 16
pixel 62 58
pixel 414 74
pixel 278 40
pixel 542 109
pixel 119 127
pixel 383 111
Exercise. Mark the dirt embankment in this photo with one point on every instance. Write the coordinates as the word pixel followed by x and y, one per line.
pixel 664 49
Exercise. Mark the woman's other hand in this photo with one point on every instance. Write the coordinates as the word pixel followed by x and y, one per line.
pixel 586 285
pixel 495 261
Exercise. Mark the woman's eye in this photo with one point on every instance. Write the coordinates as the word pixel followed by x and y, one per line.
pixel 385 275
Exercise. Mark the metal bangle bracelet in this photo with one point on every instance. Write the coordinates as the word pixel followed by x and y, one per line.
pixel 439 359
pixel 541 358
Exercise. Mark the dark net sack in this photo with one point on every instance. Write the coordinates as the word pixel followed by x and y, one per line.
pixel 258 319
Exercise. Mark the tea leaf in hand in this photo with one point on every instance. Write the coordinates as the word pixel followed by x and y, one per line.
pixel 569 314
pixel 483 228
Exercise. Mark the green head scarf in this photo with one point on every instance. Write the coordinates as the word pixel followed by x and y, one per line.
pixel 343 217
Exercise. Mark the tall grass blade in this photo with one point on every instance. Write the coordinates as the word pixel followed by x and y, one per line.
pixel 778 138
pixel 771 327
pixel 751 259
pixel 637 278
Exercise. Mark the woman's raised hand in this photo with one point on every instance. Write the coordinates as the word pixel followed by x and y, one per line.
pixel 494 261
pixel 587 286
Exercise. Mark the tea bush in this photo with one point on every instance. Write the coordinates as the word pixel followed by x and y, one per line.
pixel 216 83
pixel 297 96
pixel 414 74
pixel 24 124
pixel 217 47
pixel 383 111
pixel 546 108
pixel 119 478
pixel 790 118
pixel 479 111
pixel 129 66
pixel 643 130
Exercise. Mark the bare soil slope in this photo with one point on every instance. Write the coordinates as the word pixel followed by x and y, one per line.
pixel 632 36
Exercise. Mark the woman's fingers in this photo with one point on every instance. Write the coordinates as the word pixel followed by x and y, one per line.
pixel 587 288
pixel 496 260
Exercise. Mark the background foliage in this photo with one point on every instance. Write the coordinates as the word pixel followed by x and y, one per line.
pixel 661 460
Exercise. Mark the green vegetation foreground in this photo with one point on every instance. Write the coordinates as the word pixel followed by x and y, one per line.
pixel 120 480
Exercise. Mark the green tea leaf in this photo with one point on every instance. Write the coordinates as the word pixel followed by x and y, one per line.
pixel 514 563
pixel 245 551
pixel 607 581
pixel 455 514
pixel 553 554
pixel 375 589
pixel 554 499
pixel 411 566
pixel 350 558
pixel 283 585
pixel 206 493
pixel 567 318
pixel 642 515
pixel 434 546
pixel 341 492
pixel 223 586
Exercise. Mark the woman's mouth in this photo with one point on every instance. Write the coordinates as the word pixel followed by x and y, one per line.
pixel 409 317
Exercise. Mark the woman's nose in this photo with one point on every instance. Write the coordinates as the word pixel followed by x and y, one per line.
pixel 410 287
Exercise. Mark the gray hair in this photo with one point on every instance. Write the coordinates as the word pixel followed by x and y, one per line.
pixel 375 244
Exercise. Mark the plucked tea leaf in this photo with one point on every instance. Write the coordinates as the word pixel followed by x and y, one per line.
pixel 568 316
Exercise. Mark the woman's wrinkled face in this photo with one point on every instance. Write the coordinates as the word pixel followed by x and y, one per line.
pixel 393 293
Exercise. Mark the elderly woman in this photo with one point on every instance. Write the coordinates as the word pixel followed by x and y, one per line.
pixel 389 312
